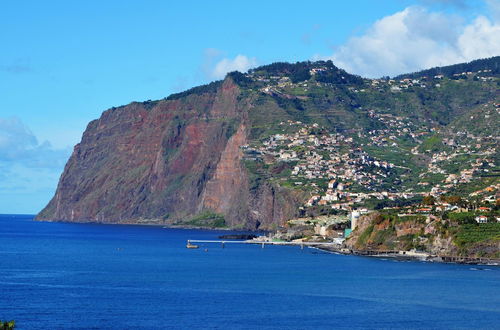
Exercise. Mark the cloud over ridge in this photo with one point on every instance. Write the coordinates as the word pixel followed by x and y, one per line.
pixel 416 38
pixel 239 63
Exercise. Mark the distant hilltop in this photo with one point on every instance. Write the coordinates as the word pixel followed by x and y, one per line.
pixel 285 141
pixel 489 65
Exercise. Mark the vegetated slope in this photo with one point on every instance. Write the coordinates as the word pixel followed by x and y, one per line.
pixel 457 234
pixel 218 155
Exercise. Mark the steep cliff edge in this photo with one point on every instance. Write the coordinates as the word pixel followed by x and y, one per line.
pixel 435 235
pixel 166 162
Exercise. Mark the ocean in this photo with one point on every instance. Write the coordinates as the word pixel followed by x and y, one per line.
pixel 91 276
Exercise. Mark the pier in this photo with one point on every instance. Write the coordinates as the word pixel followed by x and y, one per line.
pixel 261 243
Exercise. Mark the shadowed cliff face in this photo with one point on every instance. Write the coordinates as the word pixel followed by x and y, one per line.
pixel 166 162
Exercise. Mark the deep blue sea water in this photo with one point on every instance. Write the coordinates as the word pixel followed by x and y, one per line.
pixel 89 276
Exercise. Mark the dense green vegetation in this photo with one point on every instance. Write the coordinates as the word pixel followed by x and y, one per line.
pixel 297 72
pixel 461 218
pixel 469 238
pixel 474 233
pixel 382 237
pixel 7 325
pixel 377 204
pixel 338 76
pixel 207 219
pixel 433 143
pixel 208 88
pixel 363 238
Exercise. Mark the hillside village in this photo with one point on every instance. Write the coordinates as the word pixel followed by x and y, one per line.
pixel 343 175
pixel 400 165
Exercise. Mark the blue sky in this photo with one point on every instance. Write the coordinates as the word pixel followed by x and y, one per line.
pixel 64 62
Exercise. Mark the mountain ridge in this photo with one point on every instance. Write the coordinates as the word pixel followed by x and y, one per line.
pixel 186 159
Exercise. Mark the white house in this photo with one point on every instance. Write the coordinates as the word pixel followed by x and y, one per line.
pixel 481 219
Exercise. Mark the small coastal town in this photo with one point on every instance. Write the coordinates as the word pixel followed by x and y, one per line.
pixel 340 174
pixel 400 165
pixel 342 177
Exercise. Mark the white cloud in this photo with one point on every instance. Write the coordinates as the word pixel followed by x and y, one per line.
pixel 20 146
pixel 416 39
pixel 240 63
pixel 15 137
pixel 29 170
pixel 480 39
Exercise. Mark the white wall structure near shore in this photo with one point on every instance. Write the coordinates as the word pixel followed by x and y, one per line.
pixel 354 219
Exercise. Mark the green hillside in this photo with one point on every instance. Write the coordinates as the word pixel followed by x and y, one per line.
pixel 402 136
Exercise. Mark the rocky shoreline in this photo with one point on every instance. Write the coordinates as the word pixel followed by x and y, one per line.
pixel 413 256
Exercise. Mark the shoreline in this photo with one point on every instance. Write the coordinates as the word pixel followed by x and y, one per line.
pixel 400 255
pixel 422 257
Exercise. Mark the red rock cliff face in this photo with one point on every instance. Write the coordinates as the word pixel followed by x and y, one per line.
pixel 166 162
pixel 226 191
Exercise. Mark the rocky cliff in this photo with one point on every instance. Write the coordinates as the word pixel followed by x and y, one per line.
pixel 444 237
pixel 260 148
pixel 167 162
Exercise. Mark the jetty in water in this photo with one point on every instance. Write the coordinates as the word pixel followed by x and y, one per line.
pixel 194 242
pixel 337 247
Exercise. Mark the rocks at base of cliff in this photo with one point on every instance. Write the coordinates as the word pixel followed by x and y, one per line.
pixel 238 236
